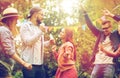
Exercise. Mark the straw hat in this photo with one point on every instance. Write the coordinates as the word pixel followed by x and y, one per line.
pixel 9 12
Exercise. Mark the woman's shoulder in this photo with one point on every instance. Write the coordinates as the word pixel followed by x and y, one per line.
pixel 4 29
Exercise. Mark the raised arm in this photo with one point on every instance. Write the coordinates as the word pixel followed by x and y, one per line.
pixel 108 13
pixel 94 30
pixel 89 23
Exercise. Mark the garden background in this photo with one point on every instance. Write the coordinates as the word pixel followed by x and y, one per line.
pixel 62 13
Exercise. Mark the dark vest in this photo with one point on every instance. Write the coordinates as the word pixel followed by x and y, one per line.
pixel 115 39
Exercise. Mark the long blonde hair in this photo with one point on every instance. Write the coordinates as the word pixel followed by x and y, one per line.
pixel 11 24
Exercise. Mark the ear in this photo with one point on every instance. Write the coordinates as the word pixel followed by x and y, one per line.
pixel 35 15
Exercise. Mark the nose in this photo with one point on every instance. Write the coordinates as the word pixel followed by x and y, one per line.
pixel 105 31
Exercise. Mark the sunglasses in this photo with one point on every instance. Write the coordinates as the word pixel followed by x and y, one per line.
pixel 106 27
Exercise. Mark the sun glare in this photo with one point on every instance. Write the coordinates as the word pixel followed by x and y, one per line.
pixel 68 5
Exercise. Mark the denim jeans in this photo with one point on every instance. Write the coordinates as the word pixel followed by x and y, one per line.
pixel 37 71
pixel 103 71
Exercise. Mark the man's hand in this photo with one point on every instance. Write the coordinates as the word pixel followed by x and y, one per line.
pixel 52 40
pixel 28 66
pixel 83 8
pixel 101 47
pixel 106 12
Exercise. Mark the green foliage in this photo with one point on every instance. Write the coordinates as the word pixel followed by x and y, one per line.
pixel 18 74
pixel 55 15
pixel 50 65
pixel 84 41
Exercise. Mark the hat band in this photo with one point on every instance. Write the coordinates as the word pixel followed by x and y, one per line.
pixel 11 14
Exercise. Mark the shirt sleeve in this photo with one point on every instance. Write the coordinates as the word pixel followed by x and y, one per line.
pixel 27 37
pixel 7 41
pixel 90 25
pixel 116 17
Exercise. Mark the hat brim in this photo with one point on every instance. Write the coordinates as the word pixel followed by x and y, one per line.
pixel 9 17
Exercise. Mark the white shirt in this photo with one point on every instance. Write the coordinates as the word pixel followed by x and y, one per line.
pixel 101 57
pixel 32 43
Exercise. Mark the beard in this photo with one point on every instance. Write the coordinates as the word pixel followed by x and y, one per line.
pixel 38 21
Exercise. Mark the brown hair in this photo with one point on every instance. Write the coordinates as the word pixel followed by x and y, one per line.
pixel 68 35
pixel 69 38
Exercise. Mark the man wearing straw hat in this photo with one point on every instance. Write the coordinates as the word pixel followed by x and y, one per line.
pixel 7 46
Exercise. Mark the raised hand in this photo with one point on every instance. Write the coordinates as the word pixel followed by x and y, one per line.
pixel 82 8
pixel 106 12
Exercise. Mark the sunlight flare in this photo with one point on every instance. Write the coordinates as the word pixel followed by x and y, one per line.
pixel 68 5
